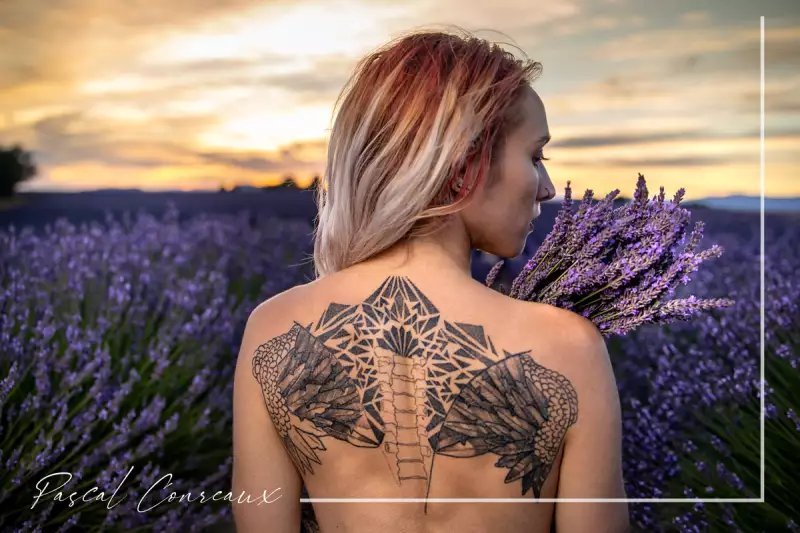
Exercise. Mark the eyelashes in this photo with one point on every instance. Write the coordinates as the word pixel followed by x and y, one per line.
pixel 540 158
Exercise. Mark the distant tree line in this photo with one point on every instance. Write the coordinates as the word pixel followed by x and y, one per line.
pixel 288 182
pixel 16 166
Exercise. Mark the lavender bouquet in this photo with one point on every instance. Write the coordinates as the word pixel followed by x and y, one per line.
pixel 615 266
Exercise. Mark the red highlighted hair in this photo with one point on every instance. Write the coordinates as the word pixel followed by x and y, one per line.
pixel 419 114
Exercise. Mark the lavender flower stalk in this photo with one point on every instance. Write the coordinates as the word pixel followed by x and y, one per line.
pixel 118 345
pixel 617 266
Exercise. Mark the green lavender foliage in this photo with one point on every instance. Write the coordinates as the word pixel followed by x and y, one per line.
pixel 118 345
pixel 724 459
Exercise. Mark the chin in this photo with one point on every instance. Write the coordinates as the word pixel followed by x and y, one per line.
pixel 507 250
pixel 508 244
pixel 521 248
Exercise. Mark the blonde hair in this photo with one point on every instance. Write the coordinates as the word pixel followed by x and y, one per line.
pixel 420 113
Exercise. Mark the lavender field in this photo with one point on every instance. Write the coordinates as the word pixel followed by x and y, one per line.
pixel 119 336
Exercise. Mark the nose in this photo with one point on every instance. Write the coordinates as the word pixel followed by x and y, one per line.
pixel 547 190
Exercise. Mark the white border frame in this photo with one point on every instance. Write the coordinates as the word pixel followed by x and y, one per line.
pixel 621 500
pixel 763 344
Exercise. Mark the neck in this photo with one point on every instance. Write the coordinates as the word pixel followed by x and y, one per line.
pixel 446 252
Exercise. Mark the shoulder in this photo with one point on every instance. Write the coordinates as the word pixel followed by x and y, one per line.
pixel 282 305
pixel 270 319
pixel 563 319
pixel 561 337
pixel 265 341
pixel 573 346
pixel 568 334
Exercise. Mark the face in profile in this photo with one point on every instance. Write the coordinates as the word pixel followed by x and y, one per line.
pixel 499 218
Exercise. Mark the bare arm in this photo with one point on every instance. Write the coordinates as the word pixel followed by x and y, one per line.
pixel 592 464
pixel 262 469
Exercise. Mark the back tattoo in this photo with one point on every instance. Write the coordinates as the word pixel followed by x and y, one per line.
pixel 390 372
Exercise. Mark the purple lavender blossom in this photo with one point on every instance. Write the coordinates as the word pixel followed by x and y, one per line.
pixel 693 358
pixel 617 266
pixel 117 348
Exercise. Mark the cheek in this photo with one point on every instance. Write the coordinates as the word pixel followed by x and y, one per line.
pixel 525 175
pixel 518 185
pixel 530 182
pixel 536 178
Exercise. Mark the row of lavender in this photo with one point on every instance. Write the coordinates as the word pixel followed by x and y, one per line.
pixel 118 343
pixel 690 391
pixel 117 349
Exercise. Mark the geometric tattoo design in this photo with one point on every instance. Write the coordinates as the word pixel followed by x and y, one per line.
pixel 390 373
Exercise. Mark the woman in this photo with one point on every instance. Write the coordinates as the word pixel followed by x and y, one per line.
pixel 395 374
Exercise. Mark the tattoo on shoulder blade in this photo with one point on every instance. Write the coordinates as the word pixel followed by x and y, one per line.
pixel 390 372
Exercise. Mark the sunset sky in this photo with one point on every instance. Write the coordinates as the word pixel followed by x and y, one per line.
pixel 198 94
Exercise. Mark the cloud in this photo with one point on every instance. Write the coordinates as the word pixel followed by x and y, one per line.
pixel 614 139
pixel 60 41
pixel 285 161
pixel 700 52
pixel 645 162
pixel 172 91
pixel 776 100
pixel 76 137
pixel 512 17
pixel 322 80
pixel 314 84
pixel 592 23
pixel 73 138
pixel 685 64
pixel 695 17
pixel 689 84
pixel 689 135
pixel 681 41
pixel 777 51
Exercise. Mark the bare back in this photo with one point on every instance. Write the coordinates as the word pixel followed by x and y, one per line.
pixel 392 387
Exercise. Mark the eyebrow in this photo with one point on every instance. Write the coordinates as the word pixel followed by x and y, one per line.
pixel 543 140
